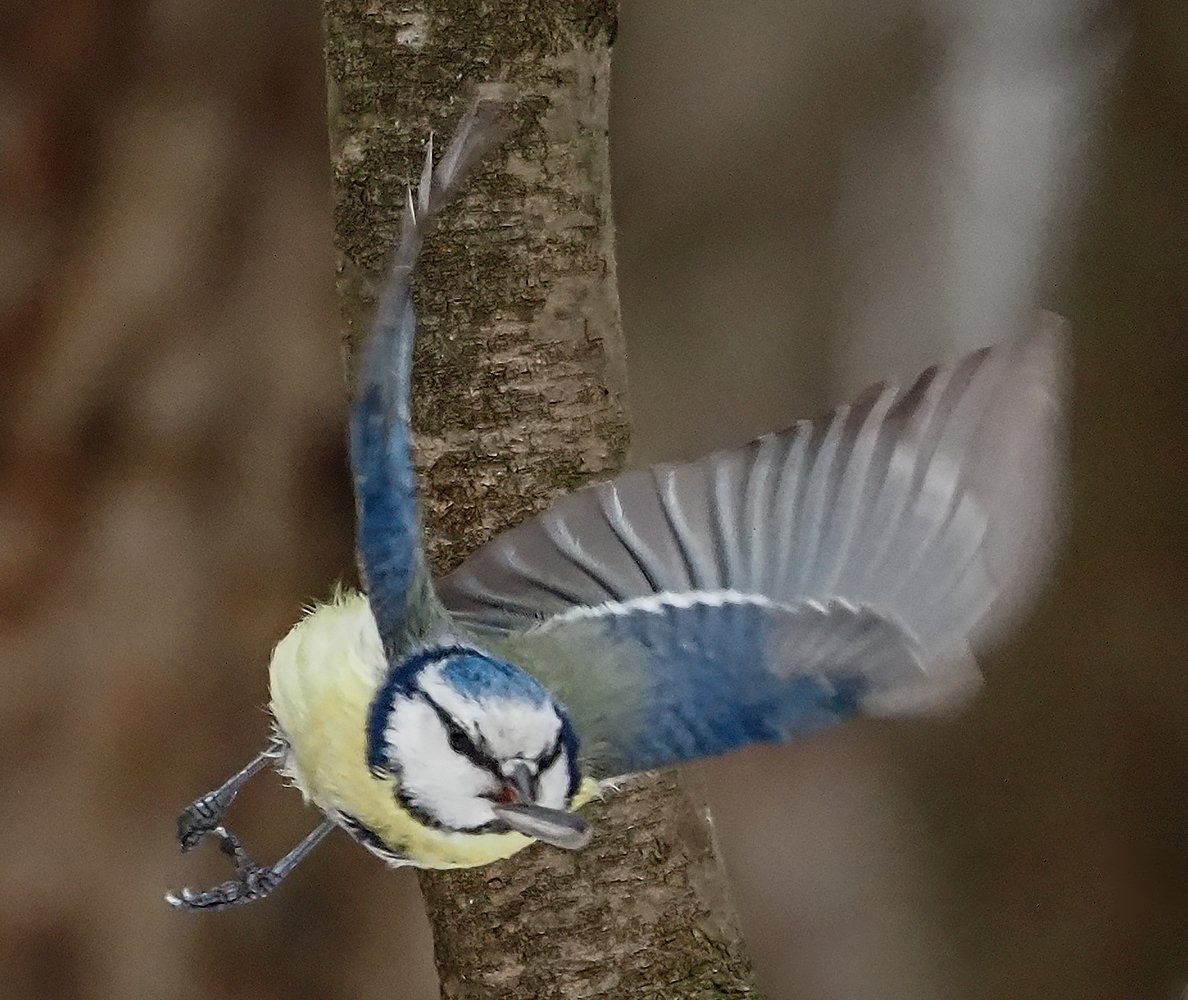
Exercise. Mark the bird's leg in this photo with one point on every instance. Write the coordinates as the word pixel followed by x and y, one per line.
pixel 205 814
pixel 251 881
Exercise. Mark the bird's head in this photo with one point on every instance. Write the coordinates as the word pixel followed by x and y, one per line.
pixel 476 745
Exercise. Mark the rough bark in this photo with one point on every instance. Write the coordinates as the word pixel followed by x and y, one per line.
pixel 518 396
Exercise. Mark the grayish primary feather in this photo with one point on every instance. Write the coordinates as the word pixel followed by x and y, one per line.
pixel 761 593
pixel 908 524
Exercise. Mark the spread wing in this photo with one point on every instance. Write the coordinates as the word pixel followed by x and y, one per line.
pixel 658 680
pixel 846 563
pixel 388 521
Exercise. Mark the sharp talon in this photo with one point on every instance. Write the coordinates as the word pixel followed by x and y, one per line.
pixel 251 882
pixel 204 816
pixel 199 818
pixel 205 813
pixel 231 846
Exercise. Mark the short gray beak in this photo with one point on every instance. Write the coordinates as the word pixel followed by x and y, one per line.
pixel 523 780
pixel 554 826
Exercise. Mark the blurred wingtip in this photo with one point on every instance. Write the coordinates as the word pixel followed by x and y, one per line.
pixel 482 126
pixel 1022 468
pixel 1049 357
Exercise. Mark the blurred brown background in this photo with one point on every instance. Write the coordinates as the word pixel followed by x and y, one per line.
pixel 809 195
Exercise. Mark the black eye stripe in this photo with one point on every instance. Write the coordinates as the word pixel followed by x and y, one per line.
pixel 460 741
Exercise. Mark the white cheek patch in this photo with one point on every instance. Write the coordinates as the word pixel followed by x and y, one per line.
pixel 447 785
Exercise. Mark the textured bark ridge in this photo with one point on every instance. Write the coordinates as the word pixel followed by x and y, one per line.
pixel 518 396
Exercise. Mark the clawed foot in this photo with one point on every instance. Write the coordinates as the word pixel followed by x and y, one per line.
pixel 251 881
pixel 205 814
pixel 202 816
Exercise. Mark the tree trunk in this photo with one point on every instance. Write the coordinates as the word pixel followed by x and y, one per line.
pixel 519 396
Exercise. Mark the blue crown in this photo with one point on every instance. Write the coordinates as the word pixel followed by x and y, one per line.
pixel 465 669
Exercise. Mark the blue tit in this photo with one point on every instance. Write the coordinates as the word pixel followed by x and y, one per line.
pixel 844 566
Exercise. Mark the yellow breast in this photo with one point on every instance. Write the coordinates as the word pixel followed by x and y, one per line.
pixel 323 676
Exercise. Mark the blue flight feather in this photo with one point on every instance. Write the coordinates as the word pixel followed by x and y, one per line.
pixel 688 676
pixel 388 530
pixel 714 686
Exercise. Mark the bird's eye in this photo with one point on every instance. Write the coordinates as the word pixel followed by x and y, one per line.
pixel 459 741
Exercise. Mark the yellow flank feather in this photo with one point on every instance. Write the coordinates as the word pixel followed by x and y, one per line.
pixel 323 676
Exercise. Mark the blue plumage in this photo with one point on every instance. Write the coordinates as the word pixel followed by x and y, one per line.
pixel 467 670
pixel 703 675
pixel 479 676
pixel 713 688
pixel 388 531
pixel 844 565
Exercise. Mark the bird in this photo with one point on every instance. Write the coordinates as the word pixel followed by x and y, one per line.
pixel 847 565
